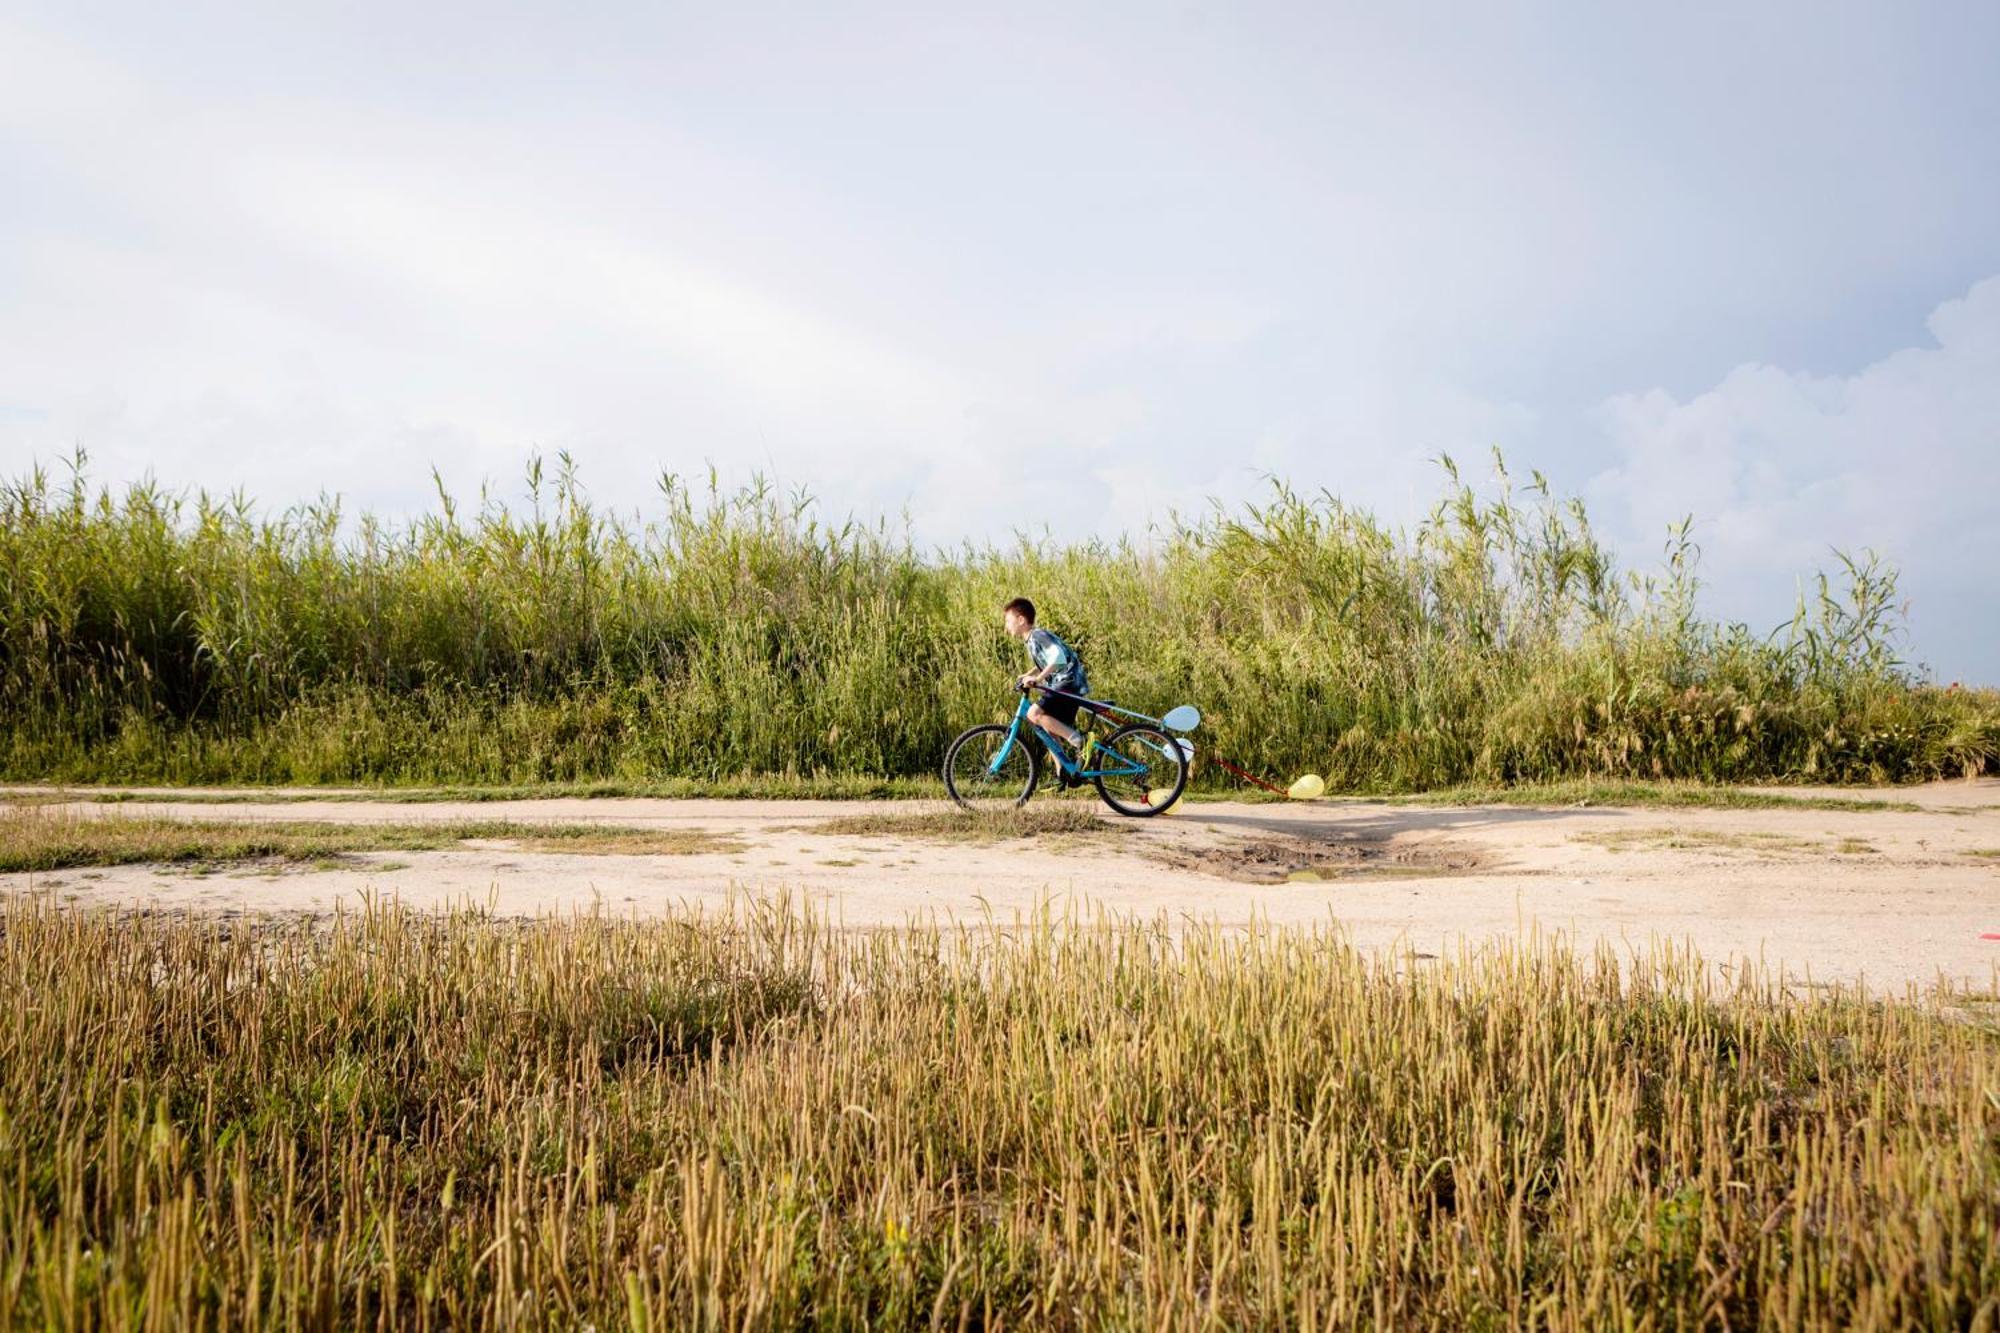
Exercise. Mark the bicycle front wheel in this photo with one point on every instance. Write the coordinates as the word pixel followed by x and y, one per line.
pixel 1145 771
pixel 978 779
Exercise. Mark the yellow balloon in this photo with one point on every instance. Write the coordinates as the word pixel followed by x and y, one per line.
pixel 1308 788
pixel 1164 798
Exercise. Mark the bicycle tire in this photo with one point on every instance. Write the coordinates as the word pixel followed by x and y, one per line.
pixel 1134 794
pixel 975 800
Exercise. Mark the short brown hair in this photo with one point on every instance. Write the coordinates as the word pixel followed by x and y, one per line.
pixel 1024 606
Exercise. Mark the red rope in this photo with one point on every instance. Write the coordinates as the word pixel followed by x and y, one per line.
pixel 1249 777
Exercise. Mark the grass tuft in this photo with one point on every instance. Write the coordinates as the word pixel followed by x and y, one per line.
pixel 1681 839
pixel 1062 819
pixel 1627 794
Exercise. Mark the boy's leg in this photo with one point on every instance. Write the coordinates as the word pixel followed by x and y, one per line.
pixel 1060 730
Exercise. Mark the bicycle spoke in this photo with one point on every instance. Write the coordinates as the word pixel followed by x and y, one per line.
pixel 983 771
pixel 1146 771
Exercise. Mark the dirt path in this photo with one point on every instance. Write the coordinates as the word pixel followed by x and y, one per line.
pixel 1895 897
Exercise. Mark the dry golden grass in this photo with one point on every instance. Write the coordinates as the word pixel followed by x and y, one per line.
pixel 604 840
pixel 34 838
pixel 760 1123
pixel 18 800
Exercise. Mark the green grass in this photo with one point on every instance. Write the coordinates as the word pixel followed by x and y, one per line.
pixel 745 642
pixel 1582 792
pixel 756 1121
pixel 35 839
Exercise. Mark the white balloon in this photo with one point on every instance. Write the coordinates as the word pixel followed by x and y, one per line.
pixel 1185 718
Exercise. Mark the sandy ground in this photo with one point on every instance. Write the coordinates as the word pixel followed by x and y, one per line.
pixel 1895 898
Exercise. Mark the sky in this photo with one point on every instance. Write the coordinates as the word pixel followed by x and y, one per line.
pixel 1061 269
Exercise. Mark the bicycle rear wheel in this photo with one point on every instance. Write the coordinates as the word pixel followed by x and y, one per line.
pixel 1159 776
pixel 974 781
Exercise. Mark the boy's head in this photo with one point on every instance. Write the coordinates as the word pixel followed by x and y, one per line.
pixel 1018 616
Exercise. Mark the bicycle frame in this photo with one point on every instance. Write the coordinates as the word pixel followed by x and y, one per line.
pixel 1124 768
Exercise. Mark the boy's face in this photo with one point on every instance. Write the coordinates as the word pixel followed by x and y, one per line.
pixel 1017 624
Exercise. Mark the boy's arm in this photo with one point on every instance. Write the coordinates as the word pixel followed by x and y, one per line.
pixel 1037 677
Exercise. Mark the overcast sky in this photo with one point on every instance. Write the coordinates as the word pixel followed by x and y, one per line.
pixel 1007 266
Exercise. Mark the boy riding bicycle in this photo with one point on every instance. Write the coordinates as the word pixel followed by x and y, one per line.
pixel 1057 667
pixel 1138 769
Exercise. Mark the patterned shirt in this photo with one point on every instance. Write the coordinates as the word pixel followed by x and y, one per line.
pixel 1045 649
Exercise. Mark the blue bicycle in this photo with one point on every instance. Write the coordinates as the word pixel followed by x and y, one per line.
pixel 1138 770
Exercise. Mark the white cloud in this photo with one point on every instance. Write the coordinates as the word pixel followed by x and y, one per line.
pixel 1779 468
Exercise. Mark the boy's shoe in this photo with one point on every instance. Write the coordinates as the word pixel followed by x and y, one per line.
pixel 1081 755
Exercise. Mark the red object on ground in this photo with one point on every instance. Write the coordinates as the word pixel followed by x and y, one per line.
pixel 1991 935
pixel 1248 777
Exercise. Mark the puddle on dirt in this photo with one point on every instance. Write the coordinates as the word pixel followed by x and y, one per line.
pixel 1296 860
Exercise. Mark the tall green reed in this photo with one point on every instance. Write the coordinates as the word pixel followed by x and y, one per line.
pixel 154 635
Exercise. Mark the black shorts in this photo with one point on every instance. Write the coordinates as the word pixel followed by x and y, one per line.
pixel 1060 707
